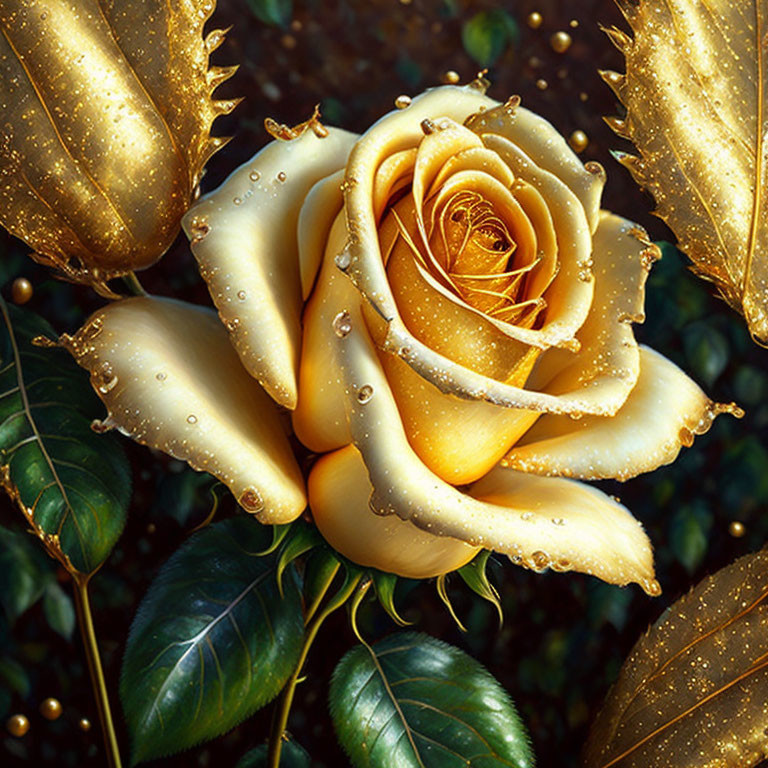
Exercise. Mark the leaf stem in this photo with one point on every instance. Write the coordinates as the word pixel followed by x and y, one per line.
pixel 87 632
pixel 133 285
pixel 280 719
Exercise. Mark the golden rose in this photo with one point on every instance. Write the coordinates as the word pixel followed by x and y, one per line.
pixel 447 312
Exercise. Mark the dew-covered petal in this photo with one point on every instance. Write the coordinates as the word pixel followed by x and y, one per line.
pixel 662 414
pixel 170 379
pixel 541 141
pixel 316 217
pixel 339 491
pixel 602 539
pixel 243 235
pixel 573 526
pixel 320 419
pixel 608 362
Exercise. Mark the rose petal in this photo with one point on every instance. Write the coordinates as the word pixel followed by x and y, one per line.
pixel 574 526
pixel 320 419
pixel 459 440
pixel 569 296
pixel 316 217
pixel 394 171
pixel 541 141
pixel 339 491
pixel 609 360
pixel 171 380
pixel 662 413
pixel 475 159
pixel 600 537
pixel 243 236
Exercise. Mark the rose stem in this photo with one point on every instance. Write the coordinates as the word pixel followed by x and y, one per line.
pixel 280 719
pixel 133 285
pixel 85 622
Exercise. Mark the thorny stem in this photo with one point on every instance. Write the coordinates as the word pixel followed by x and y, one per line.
pixel 280 719
pixel 87 632
pixel 133 285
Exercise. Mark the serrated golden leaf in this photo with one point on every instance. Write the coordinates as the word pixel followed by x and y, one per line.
pixel 105 116
pixel 693 691
pixel 696 97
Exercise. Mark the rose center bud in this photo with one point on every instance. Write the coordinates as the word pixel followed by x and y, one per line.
pixel 480 257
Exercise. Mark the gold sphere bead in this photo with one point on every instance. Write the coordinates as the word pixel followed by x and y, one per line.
pixel 736 529
pixel 560 42
pixel 578 141
pixel 542 84
pixel 451 77
pixel 21 290
pixel 534 20
pixel 84 724
pixel 17 725
pixel 51 709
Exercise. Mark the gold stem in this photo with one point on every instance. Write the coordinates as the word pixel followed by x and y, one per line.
pixel 133 285
pixel 280 720
pixel 87 632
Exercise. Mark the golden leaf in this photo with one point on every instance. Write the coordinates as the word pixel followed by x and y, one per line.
pixel 106 109
pixel 695 92
pixel 692 692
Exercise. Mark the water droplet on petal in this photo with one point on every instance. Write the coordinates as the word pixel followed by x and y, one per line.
pixel 402 101
pixel 254 175
pixel 251 501
pixel 343 260
pixel 241 295
pixel 282 176
pixel 342 324
pixel 191 419
pixel 364 394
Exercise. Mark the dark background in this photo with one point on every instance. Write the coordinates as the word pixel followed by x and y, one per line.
pixel 565 635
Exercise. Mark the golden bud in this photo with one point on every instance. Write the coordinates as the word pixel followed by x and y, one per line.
pixel 107 110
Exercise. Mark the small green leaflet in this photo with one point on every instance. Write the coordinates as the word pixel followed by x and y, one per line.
pixel 410 701
pixel 212 642
pixel 70 482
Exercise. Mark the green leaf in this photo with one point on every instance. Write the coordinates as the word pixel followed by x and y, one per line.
pixel 300 539
pixel 183 494
pixel 274 12
pixel 412 701
pixel 212 641
pixel 14 676
pixel 59 610
pixel 24 572
pixel 486 35
pixel 73 483
pixel 475 576
pixel 689 534
pixel 385 585
pixel 291 756
pixel 707 351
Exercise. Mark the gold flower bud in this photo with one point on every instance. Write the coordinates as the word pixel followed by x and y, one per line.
pixel 106 128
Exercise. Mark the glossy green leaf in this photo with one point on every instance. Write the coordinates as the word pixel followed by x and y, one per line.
pixel 487 34
pixel 300 539
pixel 410 701
pixel 385 584
pixel 185 496
pixel 291 756
pixel 212 641
pixel 274 12
pixel 321 569
pixel 59 610
pixel 73 483
pixel 24 572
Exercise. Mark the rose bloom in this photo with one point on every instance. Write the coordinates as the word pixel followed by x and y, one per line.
pixel 446 312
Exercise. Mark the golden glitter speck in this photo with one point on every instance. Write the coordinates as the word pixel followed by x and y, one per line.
pixel 736 529
pixel 51 709
pixel 21 290
pixel 542 84
pixel 578 141
pixel 534 20
pixel 17 725
pixel 450 77
pixel 560 42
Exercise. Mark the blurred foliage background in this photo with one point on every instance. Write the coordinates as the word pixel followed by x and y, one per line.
pixel 564 636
